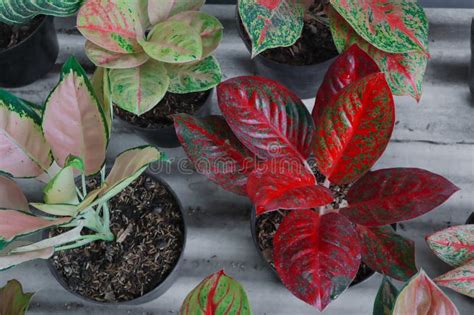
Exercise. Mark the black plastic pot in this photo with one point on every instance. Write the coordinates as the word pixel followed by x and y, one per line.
pixel 166 137
pixel 470 220
pixel 304 81
pixel 32 58
pixel 471 71
pixel 156 292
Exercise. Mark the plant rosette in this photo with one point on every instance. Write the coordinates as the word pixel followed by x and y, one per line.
pixel 393 32
pixel 65 139
pixel 158 56
pixel 261 147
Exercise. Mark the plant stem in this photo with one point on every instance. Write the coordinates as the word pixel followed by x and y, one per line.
pixel 79 193
pixel 106 215
pixel 102 175
pixel 84 188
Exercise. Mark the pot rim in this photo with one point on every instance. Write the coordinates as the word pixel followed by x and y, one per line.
pixel 161 288
pixel 44 18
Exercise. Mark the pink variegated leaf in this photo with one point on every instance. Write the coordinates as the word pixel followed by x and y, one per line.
pixel 160 10
pixel 11 196
pixel 460 279
pixel 454 245
pixel 11 260
pixel 102 57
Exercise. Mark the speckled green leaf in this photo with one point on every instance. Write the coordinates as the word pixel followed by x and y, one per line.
pixel 395 26
pixel 460 279
pixel 102 57
pixel 22 11
pixel 218 294
pixel 194 77
pixel 173 42
pixel 271 23
pixel 454 245
pixel 12 299
pixel 385 299
pixel 138 90
pixel 404 72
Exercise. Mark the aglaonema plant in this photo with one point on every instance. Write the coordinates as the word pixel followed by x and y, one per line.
pixel 263 146
pixel 151 47
pixel 13 301
pixel 62 143
pixel 393 32
pixel 17 12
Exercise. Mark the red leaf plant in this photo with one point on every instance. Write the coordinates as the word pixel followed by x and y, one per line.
pixel 263 147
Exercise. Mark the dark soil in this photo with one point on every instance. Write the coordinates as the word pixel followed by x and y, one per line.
pixel 149 232
pixel 160 115
pixel 12 35
pixel 314 46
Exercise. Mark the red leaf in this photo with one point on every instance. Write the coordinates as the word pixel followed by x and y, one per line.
pixel 316 257
pixel 354 130
pixel 391 195
pixel 282 184
pixel 268 118
pixel 215 151
pixel 351 66
pixel 386 252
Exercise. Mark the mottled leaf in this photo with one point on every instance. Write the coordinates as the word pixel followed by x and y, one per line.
pixel 23 11
pixel 217 294
pixel 102 57
pixel 271 23
pixel 316 257
pixel 454 245
pixel 395 26
pixel 460 279
pixel 138 90
pixel 353 132
pixel 61 189
pixel 9 261
pixel 101 85
pixel 160 10
pixel 215 151
pixel 74 122
pixel 422 296
pixel 392 195
pixel 13 301
pixel 386 252
pixel 385 299
pixel 267 118
pixel 11 195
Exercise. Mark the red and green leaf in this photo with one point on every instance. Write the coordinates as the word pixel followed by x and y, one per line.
pixel 217 294
pixel 395 26
pixel 13 301
pixel 454 245
pixel 215 151
pixel 392 195
pixel 271 24
pixel 316 257
pixel 353 132
pixel 422 296
pixel 460 279
pixel 160 10
pixel 11 195
pixel 102 57
pixel 266 117
pixel 385 299
pixel 284 184
pixel 404 71
pixel 386 252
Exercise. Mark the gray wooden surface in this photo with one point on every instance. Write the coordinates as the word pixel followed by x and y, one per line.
pixel 437 134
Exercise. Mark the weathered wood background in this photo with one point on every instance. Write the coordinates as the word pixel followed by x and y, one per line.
pixel 437 134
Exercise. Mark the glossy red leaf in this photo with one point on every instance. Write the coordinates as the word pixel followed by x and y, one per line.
pixel 215 151
pixel 386 252
pixel 316 257
pixel 392 195
pixel 354 130
pixel 268 119
pixel 351 66
pixel 285 184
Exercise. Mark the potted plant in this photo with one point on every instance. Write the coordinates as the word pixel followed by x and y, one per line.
pixel 261 148
pixel 98 226
pixel 12 299
pixel 159 61
pixel 28 41
pixel 293 41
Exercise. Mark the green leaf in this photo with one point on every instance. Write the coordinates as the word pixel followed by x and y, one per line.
pixel 22 11
pixel 61 189
pixel 271 24
pixel 138 90
pixel 173 42
pixel 13 301
pixel 385 299
pixel 194 77
pixel 63 210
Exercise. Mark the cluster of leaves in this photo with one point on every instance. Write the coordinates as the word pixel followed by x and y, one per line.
pixel 55 143
pixel 393 32
pixel 261 147
pixel 17 12
pixel 12 299
pixel 151 47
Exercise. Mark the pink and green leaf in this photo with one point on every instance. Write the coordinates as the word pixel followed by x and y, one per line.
pixel 270 120
pixel 11 195
pixel 61 189
pixel 215 151
pixel 392 195
pixel 460 279
pixel 217 294
pixel 386 252
pixel 160 10
pixel 62 210
pixel 454 245
pixel 11 260
pixel 422 296
pixel 385 299
pixel 316 257
pixel 102 57
pixel 101 85
pixel 13 301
